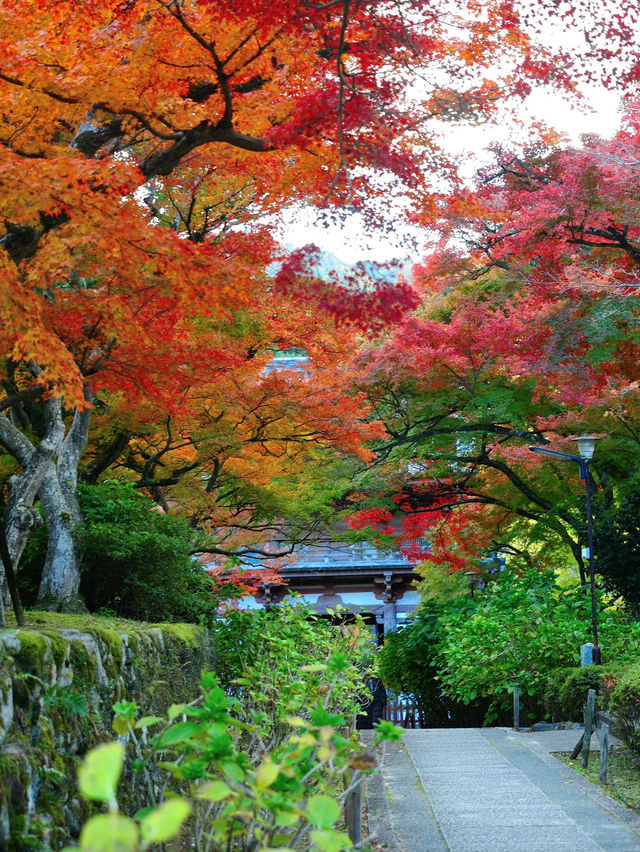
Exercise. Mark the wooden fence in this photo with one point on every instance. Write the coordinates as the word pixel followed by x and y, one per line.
pixel 403 711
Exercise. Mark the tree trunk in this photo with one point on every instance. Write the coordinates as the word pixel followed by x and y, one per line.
pixel 20 516
pixel 61 574
pixel 51 470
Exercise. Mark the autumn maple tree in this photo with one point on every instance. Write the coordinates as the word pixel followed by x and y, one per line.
pixel 527 334
pixel 142 144
pixel 250 445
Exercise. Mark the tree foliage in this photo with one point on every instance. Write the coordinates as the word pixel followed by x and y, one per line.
pixel 527 334
pixel 143 146
pixel 519 630
pixel 408 664
pixel 216 110
pixel 617 545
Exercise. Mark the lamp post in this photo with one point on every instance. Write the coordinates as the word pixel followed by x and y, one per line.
pixel 472 577
pixel 586 446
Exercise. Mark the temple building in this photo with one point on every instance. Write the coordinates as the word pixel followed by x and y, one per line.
pixel 357 578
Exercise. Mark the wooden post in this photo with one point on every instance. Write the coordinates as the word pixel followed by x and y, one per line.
pixel 516 707
pixel 577 748
pixel 589 721
pixel 353 808
pixel 604 753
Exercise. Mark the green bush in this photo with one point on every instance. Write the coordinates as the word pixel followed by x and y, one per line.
pixel 407 664
pixel 625 706
pixel 617 546
pixel 515 632
pixel 214 797
pixel 518 631
pixel 276 660
pixel 471 651
pixel 566 690
pixel 553 706
pixel 135 561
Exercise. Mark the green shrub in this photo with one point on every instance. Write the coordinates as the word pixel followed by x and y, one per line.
pixel 617 545
pixel 277 661
pixel 135 561
pixel 471 651
pixel 407 664
pixel 515 632
pixel 553 706
pixel 625 705
pixel 215 797
pixel 566 690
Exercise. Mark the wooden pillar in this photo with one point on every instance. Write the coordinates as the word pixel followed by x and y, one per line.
pixel 353 807
pixel 389 611
pixel 390 620
pixel 604 754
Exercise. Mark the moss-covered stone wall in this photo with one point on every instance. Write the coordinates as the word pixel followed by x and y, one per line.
pixel 59 677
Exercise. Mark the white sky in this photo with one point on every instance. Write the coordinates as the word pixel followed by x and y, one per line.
pixel 349 242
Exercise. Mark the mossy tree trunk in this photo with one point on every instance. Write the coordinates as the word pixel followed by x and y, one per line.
pixel 20 516
pixel 58 494
pixel 50 471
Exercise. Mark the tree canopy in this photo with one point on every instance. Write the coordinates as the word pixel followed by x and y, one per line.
pixel 527 334
pixel 143 146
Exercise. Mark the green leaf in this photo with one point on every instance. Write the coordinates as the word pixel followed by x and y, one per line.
pixel 339 663
pixel 322 811
pixel 147 721
pixel 331 841
pixel 267 773
pixel 233 771
pixel 217 699
pixel 214 791
pixel 165 821
pixel 321 717
pixel 296 722
pixel 209 680
pixel 179 733
pixel 126 709
pixel 284 820
pixel 109 833
pixel 77 704
pixel 100 772
pixel 195 712
pixel 388 731
pixel 142 813
pixel 120 725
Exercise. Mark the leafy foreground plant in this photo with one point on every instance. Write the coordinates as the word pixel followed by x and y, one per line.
pixel 202 787
pixel 281 663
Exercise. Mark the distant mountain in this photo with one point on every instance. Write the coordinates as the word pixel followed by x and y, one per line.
pixel 329 266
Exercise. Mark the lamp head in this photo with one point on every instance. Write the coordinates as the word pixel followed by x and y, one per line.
pixel 586 445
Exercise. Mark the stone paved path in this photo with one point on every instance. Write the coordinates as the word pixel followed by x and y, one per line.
pixel 491 790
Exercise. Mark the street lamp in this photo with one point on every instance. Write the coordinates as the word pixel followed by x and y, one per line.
pixel 472 577
pixel 586 446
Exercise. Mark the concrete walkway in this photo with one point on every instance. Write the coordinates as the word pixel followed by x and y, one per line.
pixel 491 790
